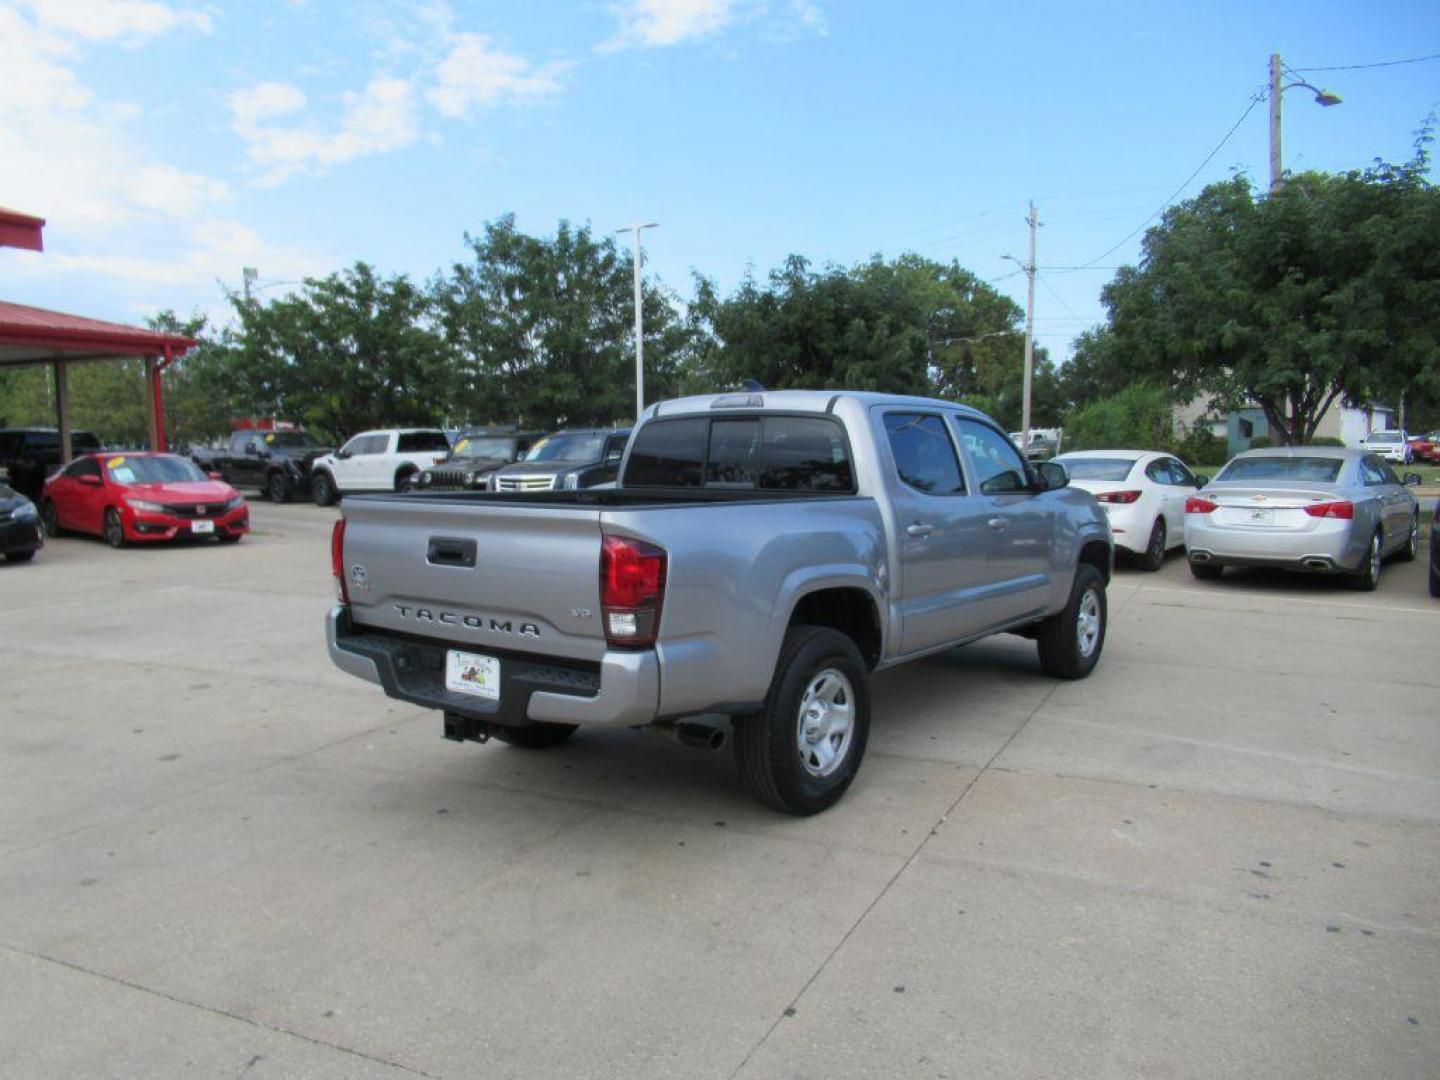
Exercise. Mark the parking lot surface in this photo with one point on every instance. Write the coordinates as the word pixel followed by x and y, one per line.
pixel 1217 857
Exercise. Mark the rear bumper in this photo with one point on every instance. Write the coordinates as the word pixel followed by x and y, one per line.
pixel 1329 547
pixel 622 690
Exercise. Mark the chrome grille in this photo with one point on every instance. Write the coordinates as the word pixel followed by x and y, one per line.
pixel 524 483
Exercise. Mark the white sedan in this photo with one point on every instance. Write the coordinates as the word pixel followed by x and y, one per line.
pixel 1143 494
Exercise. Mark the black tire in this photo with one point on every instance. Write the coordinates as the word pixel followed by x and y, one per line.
pixel 1204 571
pixel 404 479
pixel 323 488
pixel 536 736
pixel 279 488
pixel 113 529
pixel 1070 642
pixel 1434 580
pixel 1154 557
pixel 50 517
pixel 821 677
pixel 20 556
pixel 1412 542
pixel 1368 578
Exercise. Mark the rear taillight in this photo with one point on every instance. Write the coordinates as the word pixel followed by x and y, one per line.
pixel 1198 504
pixel 1118 496
pixel 337 560
pixel 1339 509
pixel 632 588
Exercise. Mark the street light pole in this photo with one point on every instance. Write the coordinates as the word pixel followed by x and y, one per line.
pixel 1033 220
pixel 639 319
pixel 1322 97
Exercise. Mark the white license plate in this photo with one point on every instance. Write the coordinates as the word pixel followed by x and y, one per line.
pixel 1260 517
pixel 202 526
pixel 473 674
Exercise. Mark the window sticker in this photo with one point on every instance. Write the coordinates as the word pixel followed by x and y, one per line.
pixel 269 438
pixel 461 445
pixel 115 463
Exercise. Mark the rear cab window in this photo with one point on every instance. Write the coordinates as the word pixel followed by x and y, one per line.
pixel 806 454
pixel 420 442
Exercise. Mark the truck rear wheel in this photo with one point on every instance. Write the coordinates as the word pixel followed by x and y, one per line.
pixel 1070 642
pixel 800 753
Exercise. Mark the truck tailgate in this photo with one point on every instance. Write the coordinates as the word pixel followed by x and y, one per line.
pixel 501 576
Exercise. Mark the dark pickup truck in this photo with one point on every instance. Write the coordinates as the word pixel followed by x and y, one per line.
pixel 276 462
pixel 29 455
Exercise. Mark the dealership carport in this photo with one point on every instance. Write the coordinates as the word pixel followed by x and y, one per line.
pixel 31 335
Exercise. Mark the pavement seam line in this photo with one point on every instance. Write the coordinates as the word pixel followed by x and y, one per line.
pixel 215 1011
pixel 904 866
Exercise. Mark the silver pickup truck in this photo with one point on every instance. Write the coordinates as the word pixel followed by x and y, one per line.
pixel 762 555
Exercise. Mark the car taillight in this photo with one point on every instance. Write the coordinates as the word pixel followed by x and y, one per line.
pixel 632 587
pixel 1118 496
pixel 1198 504
pixel 1340 509
pixel 337 560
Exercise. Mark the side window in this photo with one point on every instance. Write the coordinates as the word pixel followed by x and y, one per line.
pixel 376 444
pixel 1371 471
pixel 1180 475
pixel 993 458
pixel 354 445
pixel 420 442
pixel 669 453
pixel 801 453
pixel 1159 471
pixel 83 467
pixel 615 447
pixel 734 446
pixel 924 455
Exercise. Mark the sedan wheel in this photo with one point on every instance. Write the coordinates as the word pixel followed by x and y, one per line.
pixel 1154 557
pixel 113 530
pixel 51 518
pixel 1368 579
pixel 1412 542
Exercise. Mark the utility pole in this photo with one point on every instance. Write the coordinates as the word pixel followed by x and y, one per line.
pixel 639 319
pixel 248 276
pixel 1276 176
pixel 1029 268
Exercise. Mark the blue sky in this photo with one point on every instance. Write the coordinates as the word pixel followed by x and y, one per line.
pixel 171 143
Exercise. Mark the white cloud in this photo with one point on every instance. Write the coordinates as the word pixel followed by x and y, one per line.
pixel 652 24
pixel 475 74
pixel 130 21
pixel 380 118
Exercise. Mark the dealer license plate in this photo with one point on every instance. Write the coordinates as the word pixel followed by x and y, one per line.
pixel 473 674
pixel 202 526
pixel 1261 517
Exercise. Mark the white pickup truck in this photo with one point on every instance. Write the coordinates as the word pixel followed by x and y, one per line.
pixel 377 461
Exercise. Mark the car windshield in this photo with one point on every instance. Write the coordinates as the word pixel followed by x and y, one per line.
pixel 1384 437
pixel 291 439
pixel 1303 469
pixel 483 448
pixel 568 447
pixel 160 469
pixel 1098 468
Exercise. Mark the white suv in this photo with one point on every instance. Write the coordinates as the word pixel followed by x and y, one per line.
pixel 1390 445
pixel 377 461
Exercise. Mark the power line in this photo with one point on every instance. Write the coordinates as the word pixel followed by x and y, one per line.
pixel 1258 97
pixel 1380 64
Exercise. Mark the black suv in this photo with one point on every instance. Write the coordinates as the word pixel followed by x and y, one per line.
pixel 565 461
pixel 475 455
pixel 29 455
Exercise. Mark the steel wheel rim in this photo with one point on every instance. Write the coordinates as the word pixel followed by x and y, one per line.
pixel 1087 622
pixel 825 723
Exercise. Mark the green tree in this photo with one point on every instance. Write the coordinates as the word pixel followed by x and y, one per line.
pixel 542 329
pixel 1323 291
pixel 1139 417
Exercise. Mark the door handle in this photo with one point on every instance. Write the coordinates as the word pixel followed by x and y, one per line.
pixel 919 529
pixel 997 523
pixel 450 551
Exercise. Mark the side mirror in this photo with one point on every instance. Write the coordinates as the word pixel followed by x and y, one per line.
pixel 90 481
pixel 1052 475
pixel 1413 479
pixel 1201 481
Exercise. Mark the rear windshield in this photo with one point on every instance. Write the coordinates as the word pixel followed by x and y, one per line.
pixel 1096 468
pixel 162 469
pixel 1303 469
pixel 773 453
pixel 568 446
pixel 413 442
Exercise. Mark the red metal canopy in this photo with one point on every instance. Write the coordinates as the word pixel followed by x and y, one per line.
pixel 30 335
pixel 21 230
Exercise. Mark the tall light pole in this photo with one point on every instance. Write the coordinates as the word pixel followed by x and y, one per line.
pixel 1277 90
pixel 639 319
pixel 1033 220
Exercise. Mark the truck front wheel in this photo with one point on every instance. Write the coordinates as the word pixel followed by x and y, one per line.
pixel 1070 642
pixel 800 753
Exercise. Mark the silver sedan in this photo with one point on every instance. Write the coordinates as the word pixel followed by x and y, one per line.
pixel 1307 508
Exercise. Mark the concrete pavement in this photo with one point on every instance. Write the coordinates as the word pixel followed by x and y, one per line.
pixel 1218 857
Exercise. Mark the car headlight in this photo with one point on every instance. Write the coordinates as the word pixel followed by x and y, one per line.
pixel 147 507
pixel 572 482
pixel 235 503
pixel 25 512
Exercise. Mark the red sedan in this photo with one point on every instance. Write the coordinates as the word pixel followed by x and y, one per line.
pixel 127 497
